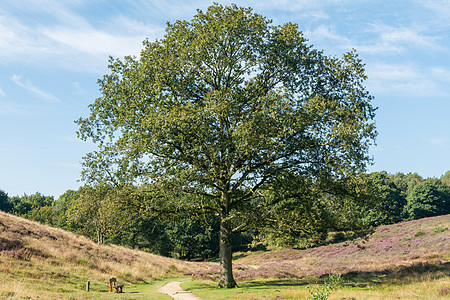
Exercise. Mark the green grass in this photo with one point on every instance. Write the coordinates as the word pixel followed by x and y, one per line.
pixel 402 284
pixel 261 289
pixel 97 291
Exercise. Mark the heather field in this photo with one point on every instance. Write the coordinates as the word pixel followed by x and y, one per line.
pixel 402 261
pixel 416 244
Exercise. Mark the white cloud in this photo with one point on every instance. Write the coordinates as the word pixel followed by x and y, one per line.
pixel 18 40
pixel 440 9
pixel 17 79
pixel 95 42
pixel 2 93
pixel 57 33
pixel 324 32
pixel 407 80
pixel 392 39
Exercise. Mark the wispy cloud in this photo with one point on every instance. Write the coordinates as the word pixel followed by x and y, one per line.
pixel 95 42
pixel 2 93
pixel 440 9
pixel 392 39
pixel 79 90
pixel 441 74
pixel 326 32
pixel 407 80
pixel 29 86
pixel 57 32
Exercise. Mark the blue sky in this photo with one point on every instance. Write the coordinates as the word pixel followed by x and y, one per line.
pixel 52 53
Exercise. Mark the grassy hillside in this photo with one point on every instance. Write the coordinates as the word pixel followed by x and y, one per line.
pixel 41 262
pixel 50 263
pixel 414 244
pixel 408 260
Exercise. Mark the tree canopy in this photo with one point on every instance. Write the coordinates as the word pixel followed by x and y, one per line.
pixel 428 198
pixel 229 115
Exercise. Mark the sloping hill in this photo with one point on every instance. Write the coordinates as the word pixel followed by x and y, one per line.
pixel 416 244
pixel 37 261
pixel 45 262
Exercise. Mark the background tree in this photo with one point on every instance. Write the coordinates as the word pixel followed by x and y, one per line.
pixel 445 179
pixel 5 204
pixel 94 211
pixel 224 108
pixel 193 239
pixel 429 198
pixel 386 200
pixel 36 207
pixel 61 207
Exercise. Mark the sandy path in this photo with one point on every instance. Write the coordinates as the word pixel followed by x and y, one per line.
pixel 174 290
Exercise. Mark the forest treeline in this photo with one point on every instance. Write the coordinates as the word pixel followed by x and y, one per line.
pixel 111 215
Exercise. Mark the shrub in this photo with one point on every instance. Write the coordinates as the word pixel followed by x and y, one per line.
pixel 322 292
pixel 420 233
pixel 440 229
pixel 83 262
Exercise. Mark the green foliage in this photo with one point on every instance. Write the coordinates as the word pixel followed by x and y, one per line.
pixel 35 207
pixel 323 291
pixel 406 183
pixel 420 233
pixel 193 239
pixel 62 205
pixel 43 214
pixel 429 198
pixel 93 212
pixel 445 179
pixel 5 204
pixel 386 200
pixel 440 229
pixel 83 262
pixel 295 224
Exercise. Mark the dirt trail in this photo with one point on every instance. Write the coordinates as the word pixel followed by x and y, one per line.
pixel 174 290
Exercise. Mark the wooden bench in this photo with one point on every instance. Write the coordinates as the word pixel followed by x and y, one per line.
pixel 112 285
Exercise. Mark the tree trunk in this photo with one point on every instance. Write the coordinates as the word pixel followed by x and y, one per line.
pixel 225 253
pixel 99 237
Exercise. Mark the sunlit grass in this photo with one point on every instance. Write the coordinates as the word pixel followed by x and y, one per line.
pixel 40 262
pixel 57 264
pixel 431 285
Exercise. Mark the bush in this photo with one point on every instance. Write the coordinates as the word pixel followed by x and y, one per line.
pixel 420 233
pixel 440 229
pixel 322 292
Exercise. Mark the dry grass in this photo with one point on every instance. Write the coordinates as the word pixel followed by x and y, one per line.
pixel 403 261
pixel 57 263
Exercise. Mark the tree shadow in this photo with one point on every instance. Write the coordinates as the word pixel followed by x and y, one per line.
pixel 399 275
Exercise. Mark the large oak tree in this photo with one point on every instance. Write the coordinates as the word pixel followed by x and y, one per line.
pixel 230 115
